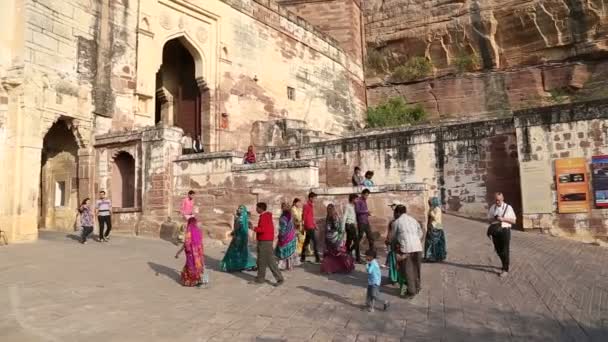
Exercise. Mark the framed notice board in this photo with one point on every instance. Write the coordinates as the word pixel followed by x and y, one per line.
pixel 599 172
pixel 572 185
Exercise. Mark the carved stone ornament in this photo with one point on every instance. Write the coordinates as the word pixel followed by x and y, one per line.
pixel 201 34
pixel 165 21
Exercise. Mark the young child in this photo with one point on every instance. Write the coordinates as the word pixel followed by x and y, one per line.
pixel 373 281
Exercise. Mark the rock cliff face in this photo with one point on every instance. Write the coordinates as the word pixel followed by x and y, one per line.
pixel 487 57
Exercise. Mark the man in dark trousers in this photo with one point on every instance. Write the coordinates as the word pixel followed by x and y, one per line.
pixel 310 226
pixel 103 209
pixel 265 236
pixel 363 215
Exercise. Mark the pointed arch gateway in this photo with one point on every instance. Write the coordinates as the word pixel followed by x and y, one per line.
pixel 58 178
pixel 182 95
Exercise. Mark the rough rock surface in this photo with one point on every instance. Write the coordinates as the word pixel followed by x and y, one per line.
pixel 499 55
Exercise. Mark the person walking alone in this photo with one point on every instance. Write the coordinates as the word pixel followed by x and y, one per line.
pixel 501 216
pixel 310 226
pixel 103 210
pixel 265 236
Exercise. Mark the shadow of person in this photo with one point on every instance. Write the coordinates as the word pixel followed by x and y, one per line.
pixel 74 237
pixel 332 296
pixel 214 265
pixel 481 268
pixel 166 271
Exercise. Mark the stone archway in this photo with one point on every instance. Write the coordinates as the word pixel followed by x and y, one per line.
pixel 58 197
pixel 182 96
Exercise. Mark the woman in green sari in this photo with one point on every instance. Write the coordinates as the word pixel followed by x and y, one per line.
pixel 237 256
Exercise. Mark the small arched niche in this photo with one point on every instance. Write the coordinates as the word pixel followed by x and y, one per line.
pixel 123 181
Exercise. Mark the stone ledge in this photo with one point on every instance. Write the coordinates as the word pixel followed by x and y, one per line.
pixel 117 138
pixel 292 164
pixel 207 156
pixel 398 136
pixel 374 189
pixel 563 113
pixel 126 210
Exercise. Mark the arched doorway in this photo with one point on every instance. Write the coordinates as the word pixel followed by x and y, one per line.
pixel 58 197
pixel 123 181
pixel 181 99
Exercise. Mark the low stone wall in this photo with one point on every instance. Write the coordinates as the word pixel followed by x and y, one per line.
pixel 545 135
pixel 222 183
pixel 464 164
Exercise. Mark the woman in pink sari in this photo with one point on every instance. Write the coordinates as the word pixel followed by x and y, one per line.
pixel 193 245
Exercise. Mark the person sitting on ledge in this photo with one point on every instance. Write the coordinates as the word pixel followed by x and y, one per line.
pixel 368 179
pixel 186 142
pixel 249 157
pixel 197 146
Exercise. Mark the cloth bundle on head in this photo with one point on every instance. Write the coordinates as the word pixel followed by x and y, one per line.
pixel 435 202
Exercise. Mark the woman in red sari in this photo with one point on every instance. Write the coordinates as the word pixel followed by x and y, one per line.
pixel 193 245
pixel 249 157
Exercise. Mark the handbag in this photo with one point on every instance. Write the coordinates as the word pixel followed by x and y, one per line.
pixel 495 228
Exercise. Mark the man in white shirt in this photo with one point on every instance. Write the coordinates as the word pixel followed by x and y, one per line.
pixel 350 226
pixel 407 236
pixel 502 214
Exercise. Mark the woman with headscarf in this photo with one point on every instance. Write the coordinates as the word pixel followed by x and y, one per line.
pixel 249 157
pixel 285 250
pixel 335 258
pixel 435 237
pixel 237 257
pixel 193 245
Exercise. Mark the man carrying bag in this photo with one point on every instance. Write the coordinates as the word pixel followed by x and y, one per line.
pixel 501 217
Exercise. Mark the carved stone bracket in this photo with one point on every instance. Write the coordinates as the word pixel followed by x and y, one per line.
pixel 202 84
pixel 166 111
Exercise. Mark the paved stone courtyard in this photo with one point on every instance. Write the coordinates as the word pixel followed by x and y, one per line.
pixel 59 290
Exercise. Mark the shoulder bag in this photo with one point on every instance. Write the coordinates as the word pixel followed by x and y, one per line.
pixel 495 228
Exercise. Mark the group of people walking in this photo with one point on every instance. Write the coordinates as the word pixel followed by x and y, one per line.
pixel 343 234
pixel 406 241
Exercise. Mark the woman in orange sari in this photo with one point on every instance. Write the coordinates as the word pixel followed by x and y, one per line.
pixel 193 245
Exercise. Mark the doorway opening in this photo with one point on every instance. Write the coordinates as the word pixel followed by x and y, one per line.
pixel 178 100
pixel 123 181
pixel 58 179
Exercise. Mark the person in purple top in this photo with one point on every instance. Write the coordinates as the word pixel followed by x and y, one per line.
pixel 363 215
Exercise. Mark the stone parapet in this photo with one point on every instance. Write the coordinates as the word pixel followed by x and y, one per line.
pixel 346 190
pixel 398 136
pixel 564 113
pixel 275 165
pixel 209 155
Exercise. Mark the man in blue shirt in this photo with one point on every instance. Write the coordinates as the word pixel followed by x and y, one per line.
pixel 374 277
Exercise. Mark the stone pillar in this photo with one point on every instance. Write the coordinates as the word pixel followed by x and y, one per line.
pixel 160 147
pixel 207 119
pixel 86 160
pixel 167 106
